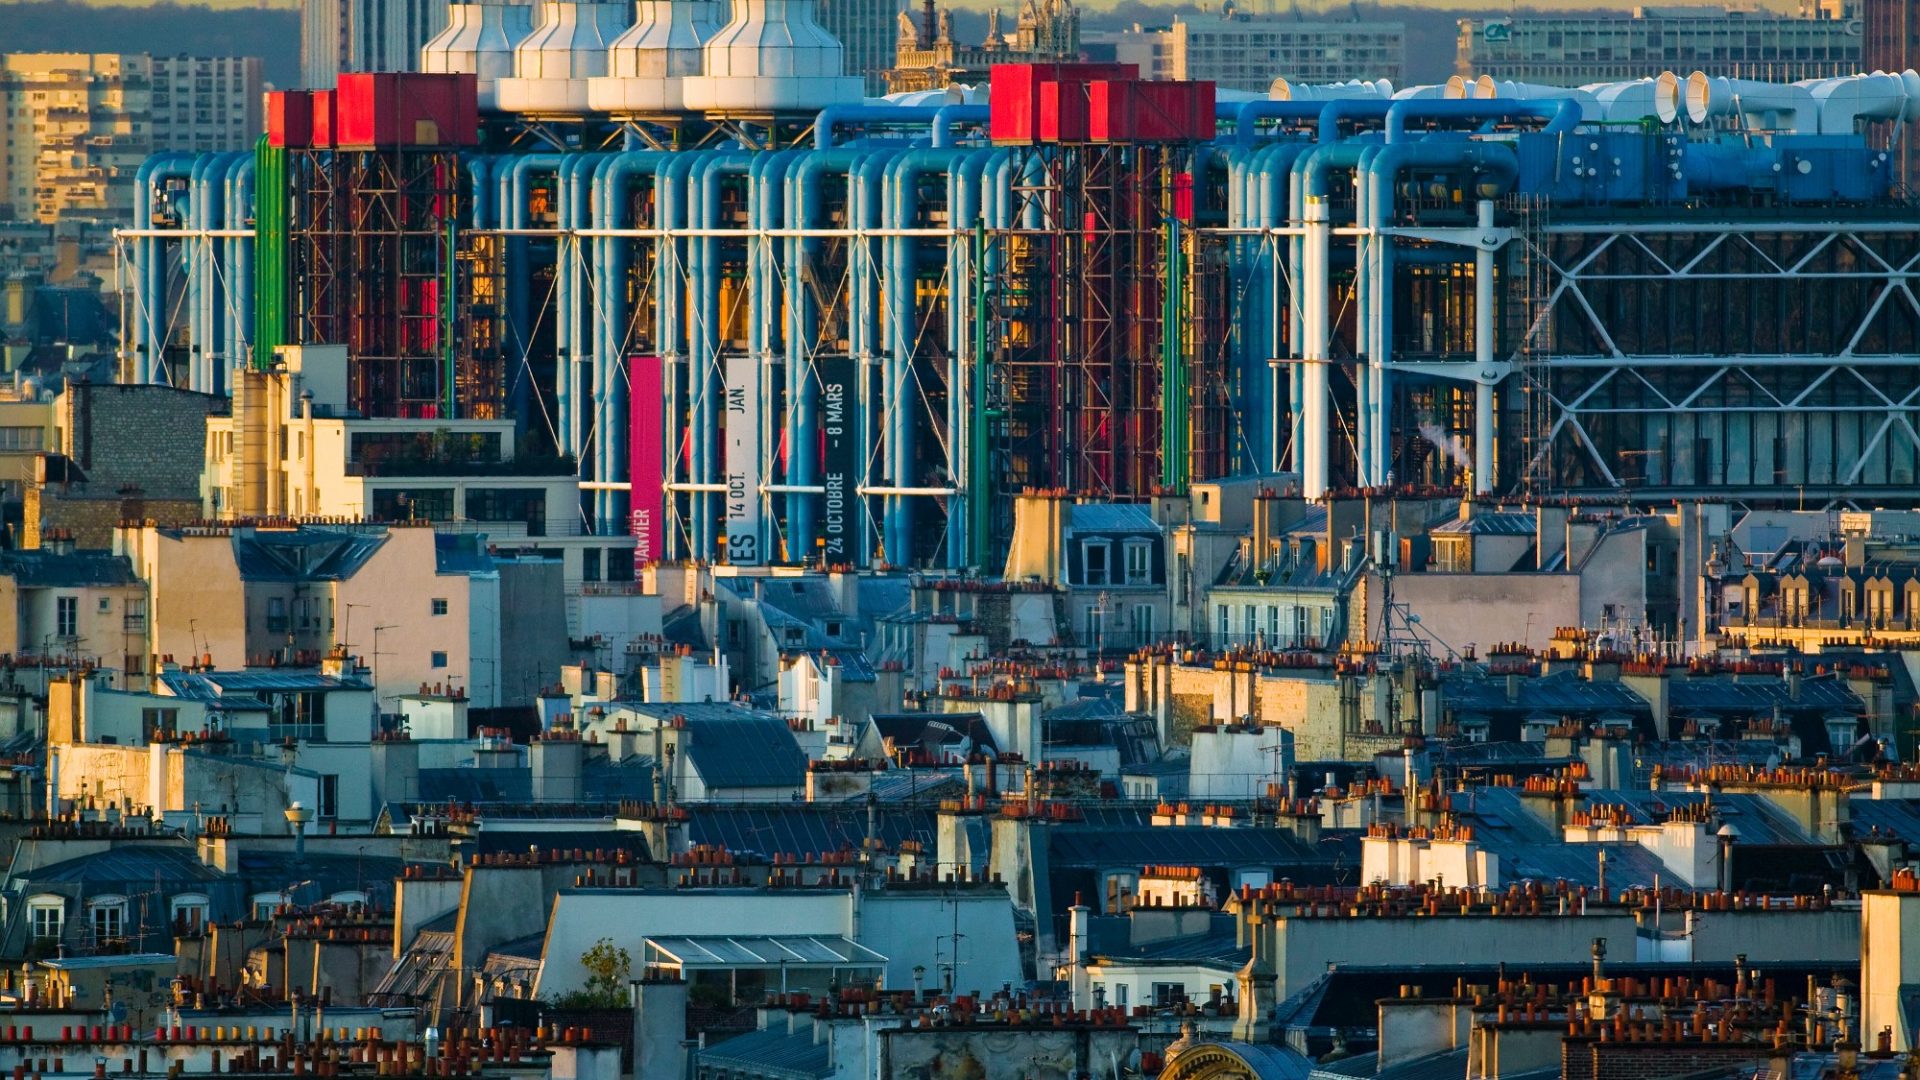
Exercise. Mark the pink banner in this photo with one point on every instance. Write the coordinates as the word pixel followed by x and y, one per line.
pixel 647 385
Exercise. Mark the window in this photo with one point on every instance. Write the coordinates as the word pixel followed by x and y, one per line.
pixel 1096 627
pixel 1139 562
pixel 189 912
pixel 156 720
pixel 297 716
pixel 1226 630
pixel 438 659
pixel 329 795
pixel 1140 624
pixel 106 605
pixel 66 614
pixel 348 898
pixel 264 904
pixel 276 615
pixel 1093 560
pixel 619 564
pixel 439 605
pixel 108 914
pixel 590 564
pixel 48 916
pixel 1273 625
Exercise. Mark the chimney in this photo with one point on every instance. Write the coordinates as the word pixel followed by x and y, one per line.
pixel 1262 527
pixel 558 768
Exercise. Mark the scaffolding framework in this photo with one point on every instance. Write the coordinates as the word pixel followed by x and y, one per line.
pixel 378 266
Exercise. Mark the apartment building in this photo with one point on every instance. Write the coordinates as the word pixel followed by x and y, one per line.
pixel 74 127
pixel 1575 48
pixel 1242 52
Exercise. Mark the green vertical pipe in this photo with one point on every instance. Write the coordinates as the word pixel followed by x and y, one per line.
pixel 1175 399
pixel 270 242
pixel 979 498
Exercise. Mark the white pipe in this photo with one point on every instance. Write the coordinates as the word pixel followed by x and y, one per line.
pixel 1488 87
pixel 1859 97
pixel 1637 99
pixel 1766 106
pixel 1431 90
pixel 1313 405
pixel 1483 356
pixel 1283 90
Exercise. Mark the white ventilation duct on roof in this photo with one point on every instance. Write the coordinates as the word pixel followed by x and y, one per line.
pixel 1431 90
pixel 1488 87
pixel 647 67
pixel 1764 106
pixel 479 40
pixel 1878 96
pixel 552 65
pixel 1282 90
pixel 1639 99
pixel 773 57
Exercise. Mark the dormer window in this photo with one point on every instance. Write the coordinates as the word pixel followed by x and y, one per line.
pixel 1093 561
pixel 1139 555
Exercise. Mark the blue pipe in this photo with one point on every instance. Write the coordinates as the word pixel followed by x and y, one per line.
pixel 1248 114
pixel 802 332
pixel 1340 109
pixel 1311 177
pixel 1497 169
pixel 1267 192
pixel 207 286
pixel 480 172
pixel 865 211
pixel 670 297
pixel 611 314
pixel 240 249
pixel 515 212
pixel 1562 114
pixel 767 289
pixel 947 116
pixel 897 379
pixel 969 211
pixel 572 347
pixel 149 299
pixel 833 116
pixel 703 341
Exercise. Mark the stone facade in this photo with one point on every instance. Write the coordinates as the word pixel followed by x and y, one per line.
pixel 124 452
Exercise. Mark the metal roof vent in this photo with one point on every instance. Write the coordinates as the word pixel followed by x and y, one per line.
pixel 773 57
pixel 647 67
pixel 479 40
pixel 552 65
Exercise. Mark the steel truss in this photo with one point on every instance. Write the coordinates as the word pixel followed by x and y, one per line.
pixel 1765 359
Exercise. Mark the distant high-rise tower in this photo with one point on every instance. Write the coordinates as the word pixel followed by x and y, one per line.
pixel 866 28
pixel 364 35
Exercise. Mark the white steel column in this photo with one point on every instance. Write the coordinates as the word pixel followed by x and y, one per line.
pixel 1483 435
pixel 1313 405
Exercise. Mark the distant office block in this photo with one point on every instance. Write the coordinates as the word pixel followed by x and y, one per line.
pixel 1588 47
pixel 364 35
pixel 1239 52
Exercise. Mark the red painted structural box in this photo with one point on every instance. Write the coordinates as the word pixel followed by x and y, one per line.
pixel 1014 102
pixel 1063 111
pixel 387 109
pixel 321 130
pixel 1149 112
pixel 290 119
